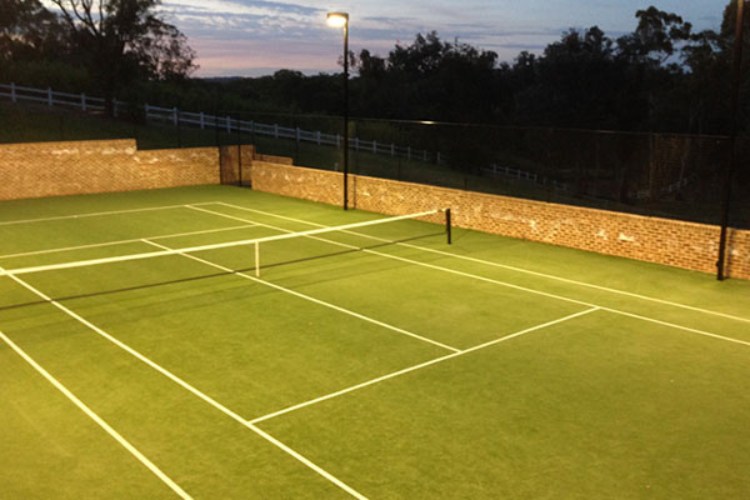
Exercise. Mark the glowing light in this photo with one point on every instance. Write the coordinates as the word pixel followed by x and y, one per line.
pixel 337 19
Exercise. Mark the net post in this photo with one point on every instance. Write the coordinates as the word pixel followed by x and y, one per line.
pixel 257 259
pixel 448 228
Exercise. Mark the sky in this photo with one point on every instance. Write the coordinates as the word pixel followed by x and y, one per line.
pixel 259 37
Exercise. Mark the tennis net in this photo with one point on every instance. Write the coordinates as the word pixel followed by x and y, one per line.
pixel 254 243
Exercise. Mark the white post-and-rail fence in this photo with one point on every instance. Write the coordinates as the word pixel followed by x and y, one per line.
pixel 17 93
pixel 176 117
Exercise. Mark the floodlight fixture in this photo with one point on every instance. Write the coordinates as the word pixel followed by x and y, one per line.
pixel 337 19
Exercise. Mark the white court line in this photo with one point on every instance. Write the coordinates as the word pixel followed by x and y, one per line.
pixel 420 366
pixel 96 418
pixel 560 297
pixel 122 242
pixel 98 214
pixel 415 262
pixel 679 327
pixel 200 248
pixel 182 383
pixel 313 299
pixel 308 297
pixel 510 268
pixel 525 289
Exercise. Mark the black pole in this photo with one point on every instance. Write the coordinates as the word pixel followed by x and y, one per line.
pixel 734 103
pixel 448 226
pixel 346 114
pixel 239 149
pixel 179 129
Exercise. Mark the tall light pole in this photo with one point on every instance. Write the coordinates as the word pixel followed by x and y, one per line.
pixel 733 158
pixel 341 20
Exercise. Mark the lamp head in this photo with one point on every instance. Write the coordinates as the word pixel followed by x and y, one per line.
pixel 337 19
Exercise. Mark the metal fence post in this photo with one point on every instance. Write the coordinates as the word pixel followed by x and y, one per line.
pixel 50 100
pixel 13 92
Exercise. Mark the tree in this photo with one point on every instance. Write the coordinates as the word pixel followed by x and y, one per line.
pixel 27 30
pixel 121 41
pixel 34 47
pixel 429 79
pixel 576 83
pixel 657 37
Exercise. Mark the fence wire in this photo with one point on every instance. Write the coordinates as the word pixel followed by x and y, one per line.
pixel 667 175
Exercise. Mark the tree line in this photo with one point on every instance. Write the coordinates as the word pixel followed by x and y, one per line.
pixel 100 46
pixel 664 76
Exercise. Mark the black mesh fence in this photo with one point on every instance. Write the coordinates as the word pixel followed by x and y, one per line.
pixel 667 175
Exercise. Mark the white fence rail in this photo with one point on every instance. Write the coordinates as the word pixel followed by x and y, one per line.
pixel 233 125
pixel 521 175
pixel 51 98
pixel 178 118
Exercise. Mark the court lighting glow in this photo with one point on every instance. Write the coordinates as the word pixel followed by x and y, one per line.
pixel 337 19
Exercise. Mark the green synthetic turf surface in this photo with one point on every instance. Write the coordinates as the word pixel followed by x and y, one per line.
pixel 624 380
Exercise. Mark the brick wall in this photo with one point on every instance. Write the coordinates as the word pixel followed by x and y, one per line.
pixel 309 184
pixel 663 241
pixel 61 168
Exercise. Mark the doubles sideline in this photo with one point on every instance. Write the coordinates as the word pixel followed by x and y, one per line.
pixel 99 214
pixel 591 307
pixel 374 238
pixel 251 424
pixel 124 242
pixel 96 418
pixel 510 268
pixel 456 352
pixel 185 385
pixel 516 287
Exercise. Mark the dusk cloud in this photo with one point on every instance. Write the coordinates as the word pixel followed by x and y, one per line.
pixel 252 37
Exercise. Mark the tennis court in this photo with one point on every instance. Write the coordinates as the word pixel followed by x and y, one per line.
pixel 144 353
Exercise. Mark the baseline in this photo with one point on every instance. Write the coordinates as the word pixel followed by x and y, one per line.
pixel 96 418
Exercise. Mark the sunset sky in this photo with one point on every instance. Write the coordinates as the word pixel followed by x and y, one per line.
pixel 257 37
